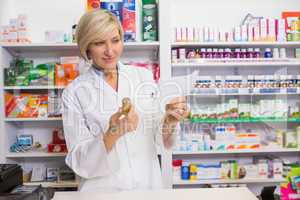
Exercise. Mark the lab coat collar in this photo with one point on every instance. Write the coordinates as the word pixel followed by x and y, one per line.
pixel 126 79
pixel 97 76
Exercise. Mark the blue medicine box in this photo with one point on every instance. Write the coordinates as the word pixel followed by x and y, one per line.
pixel 25 140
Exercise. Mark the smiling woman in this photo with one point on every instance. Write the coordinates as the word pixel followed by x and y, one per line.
pixel 100 39
pixel 96 27
pixel 108 148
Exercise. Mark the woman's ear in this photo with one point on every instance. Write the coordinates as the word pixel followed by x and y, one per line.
pixel 88 54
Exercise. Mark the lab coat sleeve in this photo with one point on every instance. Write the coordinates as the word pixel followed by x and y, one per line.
pixel 87 154
pixel 158 114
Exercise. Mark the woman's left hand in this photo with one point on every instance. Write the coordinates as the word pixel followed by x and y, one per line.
pixel 176 110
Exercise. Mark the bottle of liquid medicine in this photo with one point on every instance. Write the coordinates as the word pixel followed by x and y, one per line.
pixel 268 53
pixel 237 53
pixel 243 53
pixel 282 53
pixel 275 53
pixel 74 33
pixel 256 53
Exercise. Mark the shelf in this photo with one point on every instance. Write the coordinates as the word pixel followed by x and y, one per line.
pixel 239 151
pixel 34 155
pixel 39 47
pixel 141 45
pixel 224 181
pixel 41 87
pixel 46 47
pixel 236 44
pixel 60 184
pixel 243 91
pixel 32 119
pixel 239 63
pixel 244 120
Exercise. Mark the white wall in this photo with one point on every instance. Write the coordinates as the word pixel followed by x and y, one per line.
pixel 43 15
pixel 6 9
pixel 226 13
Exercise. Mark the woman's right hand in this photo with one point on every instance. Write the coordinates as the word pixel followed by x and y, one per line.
pixel 121 124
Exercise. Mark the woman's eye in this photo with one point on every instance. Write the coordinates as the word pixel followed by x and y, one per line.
pixel 98 43
pixel 116 40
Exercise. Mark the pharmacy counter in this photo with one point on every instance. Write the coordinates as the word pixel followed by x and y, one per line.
pixel 175 194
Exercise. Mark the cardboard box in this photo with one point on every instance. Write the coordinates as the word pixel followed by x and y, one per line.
pixel 25 105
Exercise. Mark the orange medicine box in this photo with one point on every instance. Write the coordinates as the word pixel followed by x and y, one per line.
pixel 92 4
pixel 65 73
pixel 25 105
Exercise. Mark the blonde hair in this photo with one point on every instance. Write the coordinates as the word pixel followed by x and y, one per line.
pixel 94 26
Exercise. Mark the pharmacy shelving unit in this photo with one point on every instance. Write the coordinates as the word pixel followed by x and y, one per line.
pixel 48 52
pixel 9 119
pixel 238 151
pixel 41 87
pixel 240 63
pixel 56 184
pixel 34 47
pixel 211 67
pixel 34 155
pixel 238 181
pixel 41 128
pixel 237 44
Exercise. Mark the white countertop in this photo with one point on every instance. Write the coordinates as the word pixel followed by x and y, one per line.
pixel 239 193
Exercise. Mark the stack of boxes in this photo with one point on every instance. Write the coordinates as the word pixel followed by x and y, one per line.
pixel 16 31
pixel 270 30
pixel 259 168
pixel 22 72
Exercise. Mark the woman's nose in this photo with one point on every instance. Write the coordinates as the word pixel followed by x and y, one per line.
pixel 108 49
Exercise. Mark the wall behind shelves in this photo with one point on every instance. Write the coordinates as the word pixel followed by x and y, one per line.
pixel 43 15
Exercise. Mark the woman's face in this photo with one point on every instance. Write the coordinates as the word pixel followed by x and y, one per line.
pixel 106 53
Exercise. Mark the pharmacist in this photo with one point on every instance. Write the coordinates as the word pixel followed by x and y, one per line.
pixel 109 148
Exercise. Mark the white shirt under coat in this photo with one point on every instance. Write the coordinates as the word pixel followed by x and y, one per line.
pixel 88 103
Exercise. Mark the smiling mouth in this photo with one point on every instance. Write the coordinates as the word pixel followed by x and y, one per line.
pixel 108 59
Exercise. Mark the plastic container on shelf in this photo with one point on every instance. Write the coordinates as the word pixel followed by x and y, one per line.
pixel 256 53
pixel 177 169
pixel 221 53
pixel 237 53
pixel 243 53
pixel 268 53
pixel 185 171
pixel 227 53
pixel 262 168
pixel 282 53
pixel 275 53
pixel 203 53
pixel 250 53
pixel 277 168
pixel 209 53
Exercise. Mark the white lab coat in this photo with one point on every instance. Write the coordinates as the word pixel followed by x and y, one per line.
pixel 88 103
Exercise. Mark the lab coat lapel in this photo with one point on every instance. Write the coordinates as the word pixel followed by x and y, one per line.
pixel 125 83
pixel 107 96
pixel 96 80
